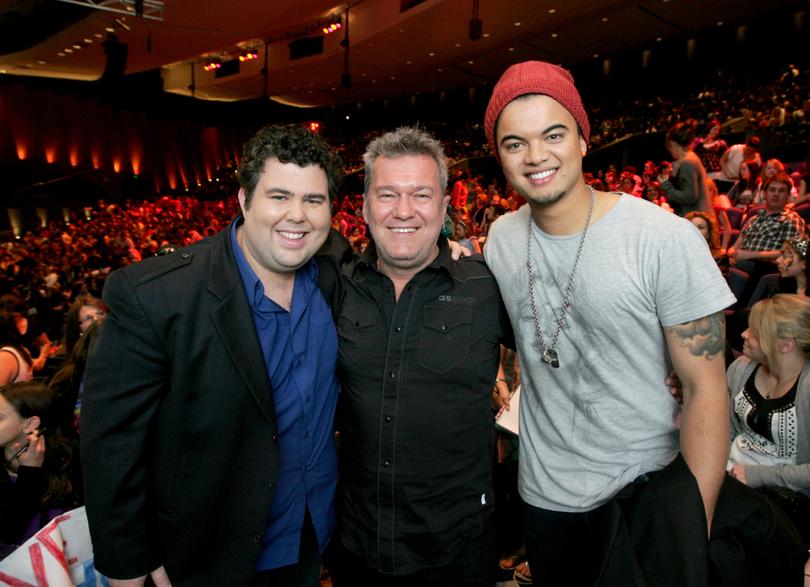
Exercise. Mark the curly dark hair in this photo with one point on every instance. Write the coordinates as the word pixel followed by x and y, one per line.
pixel 288 144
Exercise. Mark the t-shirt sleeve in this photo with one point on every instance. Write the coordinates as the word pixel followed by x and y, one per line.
pixel 689 284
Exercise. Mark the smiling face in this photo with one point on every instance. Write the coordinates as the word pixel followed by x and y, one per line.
pixel 771 169
pixel 540 149
pixel 287 219
pixel 405 209
pixel 790 264
pixel 751 347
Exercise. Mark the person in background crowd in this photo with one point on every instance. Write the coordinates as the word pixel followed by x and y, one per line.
pixel 710 148
pixel 794 273
pixel 748 188
pixel 761 238
pixel 770 401
pixel 710 230
pixel 37 480
pixel 685 190
pixel 83 312
pixel 734 156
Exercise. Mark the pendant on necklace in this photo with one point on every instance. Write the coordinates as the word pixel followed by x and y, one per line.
pixel 550 356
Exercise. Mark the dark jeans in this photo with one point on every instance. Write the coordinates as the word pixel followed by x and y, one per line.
pixel 473 566
pixel 305 573
pixel 563 548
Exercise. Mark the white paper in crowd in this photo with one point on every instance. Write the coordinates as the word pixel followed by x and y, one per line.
pixel 59 555
pixel 509 420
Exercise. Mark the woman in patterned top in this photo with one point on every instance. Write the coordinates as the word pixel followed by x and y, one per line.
pixel 770 397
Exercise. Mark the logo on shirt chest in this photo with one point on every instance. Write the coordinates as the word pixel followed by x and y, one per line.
pixel 456 300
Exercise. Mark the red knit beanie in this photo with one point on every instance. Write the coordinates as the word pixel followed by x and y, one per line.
pixel 534 77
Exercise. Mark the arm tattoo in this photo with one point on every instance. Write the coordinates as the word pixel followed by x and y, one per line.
pixel 702 337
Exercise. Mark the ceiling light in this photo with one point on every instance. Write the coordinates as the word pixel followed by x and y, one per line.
pixel 332 25
pixel 41 62
pixel 554 35
pixel 596 55
pixel 471 62
pixel 720 23
pixel 486 35
pixel 408 62
pixel 552 10
pixel 511 48
pixel 518 23
pixel 88 41
pixel 212 64
pixel 68 50
pixel 458 44
pixel 98 36
pixel 604 19
pixel 431 54
pixel 248 55
pixel 61 54
pixel 658 39
pixel 77 46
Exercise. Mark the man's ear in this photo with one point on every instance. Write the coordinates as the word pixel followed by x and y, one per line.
pixel 242 200
pixel 583 146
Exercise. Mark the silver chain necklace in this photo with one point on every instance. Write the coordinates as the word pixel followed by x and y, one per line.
pixel 549 353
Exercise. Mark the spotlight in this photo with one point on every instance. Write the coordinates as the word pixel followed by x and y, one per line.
pixel 212 65
pixel 332 25
pixel 248 55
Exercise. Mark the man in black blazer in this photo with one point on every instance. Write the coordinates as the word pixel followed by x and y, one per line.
pixel 207 417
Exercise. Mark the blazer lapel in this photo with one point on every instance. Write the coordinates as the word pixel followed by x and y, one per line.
pixel 234 323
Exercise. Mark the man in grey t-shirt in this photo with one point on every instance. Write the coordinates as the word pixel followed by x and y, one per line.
pixel 605 293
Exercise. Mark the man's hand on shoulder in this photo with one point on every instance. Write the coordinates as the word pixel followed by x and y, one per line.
pixel 457 251
pixel 159 577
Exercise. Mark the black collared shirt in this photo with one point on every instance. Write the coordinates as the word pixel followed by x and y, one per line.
pixel 416 429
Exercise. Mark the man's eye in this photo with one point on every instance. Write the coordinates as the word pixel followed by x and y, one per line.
pixel 512 146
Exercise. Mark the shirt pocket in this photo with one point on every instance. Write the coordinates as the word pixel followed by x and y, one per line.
pixel 356 332
pixel 445 339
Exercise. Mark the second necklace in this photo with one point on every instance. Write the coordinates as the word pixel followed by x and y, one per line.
pixel 549 353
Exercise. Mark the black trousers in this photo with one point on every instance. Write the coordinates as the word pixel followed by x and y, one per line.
pixel 473 566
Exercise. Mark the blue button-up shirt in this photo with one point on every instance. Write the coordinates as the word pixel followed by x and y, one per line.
pixel 300 353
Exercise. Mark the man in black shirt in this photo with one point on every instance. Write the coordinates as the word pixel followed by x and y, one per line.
pixel 419 341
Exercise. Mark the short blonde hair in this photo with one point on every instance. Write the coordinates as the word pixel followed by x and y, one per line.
pixel 782 316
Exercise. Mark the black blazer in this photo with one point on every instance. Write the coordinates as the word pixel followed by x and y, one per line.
pixel 178 426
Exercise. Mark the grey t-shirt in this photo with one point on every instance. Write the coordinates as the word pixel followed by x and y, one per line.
pixel 605 415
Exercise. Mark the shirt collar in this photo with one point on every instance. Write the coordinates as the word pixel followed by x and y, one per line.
pixel 305 278
pixel 442 262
